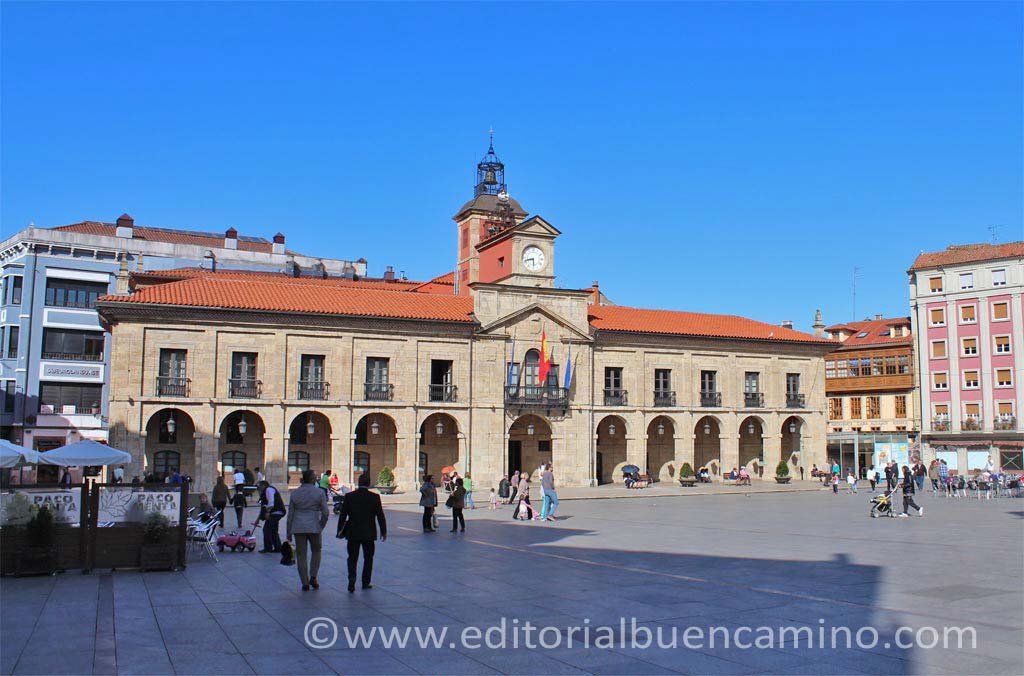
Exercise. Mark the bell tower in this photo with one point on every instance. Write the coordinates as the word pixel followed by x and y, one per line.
pixel 490 211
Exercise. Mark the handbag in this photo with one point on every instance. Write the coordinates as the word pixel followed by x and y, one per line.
pixel 343 531
pixel 287 554
pixel 449 502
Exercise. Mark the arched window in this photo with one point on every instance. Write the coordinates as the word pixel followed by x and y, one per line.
pixel 360 463
pixel 298 461
pixel 233 461
pixel 165 461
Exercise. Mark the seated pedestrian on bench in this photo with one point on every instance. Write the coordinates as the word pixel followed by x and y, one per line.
pixel 744 477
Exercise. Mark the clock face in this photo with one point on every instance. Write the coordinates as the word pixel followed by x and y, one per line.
pixel 533 258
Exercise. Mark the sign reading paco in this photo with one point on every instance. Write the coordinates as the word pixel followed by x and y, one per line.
pixel 19 506
pixel 122 504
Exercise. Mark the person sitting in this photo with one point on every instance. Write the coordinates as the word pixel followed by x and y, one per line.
pixel 703 476
pixel 744 477
pixel 628 480
pixel 733 475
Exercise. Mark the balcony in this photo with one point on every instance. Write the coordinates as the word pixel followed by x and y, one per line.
pixel 167 386
pixel 794 400
pixel 69 356
pixel 753 399
pixel 710 399
pixel 378 391
pixel 971 425
pixel 615 397
pixel 940 424
pixel 1005 423
pixel 317 390
pixel 442 392
pixel 245 388
pixel 664 398
pixel 536 396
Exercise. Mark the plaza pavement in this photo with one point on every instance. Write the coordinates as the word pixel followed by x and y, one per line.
pixel 715 560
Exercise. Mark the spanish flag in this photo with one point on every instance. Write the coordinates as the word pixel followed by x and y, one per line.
pixel 545 360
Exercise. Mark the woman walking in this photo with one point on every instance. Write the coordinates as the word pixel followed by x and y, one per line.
pixel 908 493
pixel 458 503
pixel 523 498
pixel 428 501
pixel 220 498
pixel 514 483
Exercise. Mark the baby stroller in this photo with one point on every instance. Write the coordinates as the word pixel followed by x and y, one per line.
pixel 336 499
pixel 881 505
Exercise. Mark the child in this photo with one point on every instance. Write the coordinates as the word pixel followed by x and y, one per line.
pixel 494 499
pixel 851 481
pixel 239 503
pixel 835 483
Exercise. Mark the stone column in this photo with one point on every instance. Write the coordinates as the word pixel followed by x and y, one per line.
pixel 772 454
pixel 275 460
pixel 729 452
pixel 406 459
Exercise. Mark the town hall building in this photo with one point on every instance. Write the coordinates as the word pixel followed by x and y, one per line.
pixel 213 371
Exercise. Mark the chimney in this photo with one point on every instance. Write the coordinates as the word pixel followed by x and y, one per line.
pixel 278 243
pixel 389 274
pixel 595 294
pixel 123 278
pixel 125 226
pixel 787 323
pixel 878 316
pixel 292 269
pixel 231 239
pixel 348 271
pixel 819 324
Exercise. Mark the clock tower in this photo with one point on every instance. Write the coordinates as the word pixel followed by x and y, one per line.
pixel 497 243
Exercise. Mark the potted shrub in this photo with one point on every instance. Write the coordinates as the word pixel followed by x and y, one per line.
pixel 782 472
pixel 40 553
pixel 385 481
pixel 686 477
pixel 158 551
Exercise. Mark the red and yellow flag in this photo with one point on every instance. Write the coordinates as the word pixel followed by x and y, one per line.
pixel 545 360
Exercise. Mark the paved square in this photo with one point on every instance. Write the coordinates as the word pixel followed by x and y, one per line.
pixel 806 560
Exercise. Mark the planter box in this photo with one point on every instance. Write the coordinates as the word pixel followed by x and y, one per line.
pixel 158 556
pixel 67 551
pixel 37 560
pixel 385 490
pixel 783 479
pixel 688 482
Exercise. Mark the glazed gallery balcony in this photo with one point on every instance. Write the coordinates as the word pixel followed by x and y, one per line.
pixel 537 397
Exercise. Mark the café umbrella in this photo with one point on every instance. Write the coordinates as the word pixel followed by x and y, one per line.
pixel 12 454
pixel 85 453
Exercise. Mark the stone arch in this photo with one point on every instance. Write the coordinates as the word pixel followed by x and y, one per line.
pixel 611 449
pixel 241 444
pixel 707 445
pixel 438 449
pixel 171 445
pixel 375 445
pixel 792 438
pixel 751 435
pixel 661 449
pixel 529 444
pixel 305 450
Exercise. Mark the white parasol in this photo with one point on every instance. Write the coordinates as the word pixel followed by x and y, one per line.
pixel 85 453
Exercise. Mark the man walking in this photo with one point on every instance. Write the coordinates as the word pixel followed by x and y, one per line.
pixel 908 493
pixel 361 511
pixel 547 484
pixel 306 520
pixel 428 501
pixel 273 511
pixel 943 470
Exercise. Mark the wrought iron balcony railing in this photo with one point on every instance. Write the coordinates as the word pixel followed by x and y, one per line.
pixel 245 388
pixel 796 400
pixel 317 390
pixel 378 391
pixel 971 424
pixel 615 397
pixel 753 399
pixel 444 392
pixel 940 424
pixel 1005 422
pixel 536 396
pixel 710 399
pixel 664 398
pixel 167 386
pixel 71 356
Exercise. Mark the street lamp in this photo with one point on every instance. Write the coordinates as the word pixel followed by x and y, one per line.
pixel 529 429
pixel 171 425
pixel 310 427
pixel 661 428
pixel 792 427
pixel 374 427
pixel 611 429
pixel 750 428
pixel 439 428
pixel 707 428
pixel 242 427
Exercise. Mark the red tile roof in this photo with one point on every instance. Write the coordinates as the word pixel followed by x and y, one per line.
pixel 207 239
pixel 177 274
pixel 874 328
pixel 968 253
pixel 300 295
pixel 443 284
pixel 668 322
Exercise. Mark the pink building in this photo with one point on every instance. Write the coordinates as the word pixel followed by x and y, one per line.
pixel 967 321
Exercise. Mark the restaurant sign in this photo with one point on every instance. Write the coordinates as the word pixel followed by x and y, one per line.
pixel 71 372
pixel 19 506
pixel 124 504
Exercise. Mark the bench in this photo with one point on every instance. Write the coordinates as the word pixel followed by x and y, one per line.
pixel 643 482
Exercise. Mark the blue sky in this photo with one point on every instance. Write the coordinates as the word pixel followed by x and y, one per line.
pixel 733 158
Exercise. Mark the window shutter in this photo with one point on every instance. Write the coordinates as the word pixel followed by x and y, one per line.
pixel 935 283
pixel 1005 408
pixel 938 316
pixel 1002 341
pixel 972 409
pixel 939 349
pixel 999 311
pixel 942 409
pixel 1003 376
pixel 940 379
pixel 967 313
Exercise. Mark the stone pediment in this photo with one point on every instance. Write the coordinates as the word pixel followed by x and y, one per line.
pixel 533 319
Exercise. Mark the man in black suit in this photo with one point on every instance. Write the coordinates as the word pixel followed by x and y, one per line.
pixel 361 511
